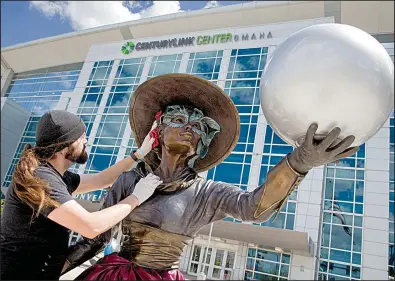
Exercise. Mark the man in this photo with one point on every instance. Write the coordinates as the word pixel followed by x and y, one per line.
pixel 39 208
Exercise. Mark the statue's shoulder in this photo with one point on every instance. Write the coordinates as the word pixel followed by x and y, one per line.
pixel 202 185
pixel 126 181
pixel 128 176
pixel 208 185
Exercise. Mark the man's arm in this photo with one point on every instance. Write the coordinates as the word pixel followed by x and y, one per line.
pixel 104 179
pixel 87 248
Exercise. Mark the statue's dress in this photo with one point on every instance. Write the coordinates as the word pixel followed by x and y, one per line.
pixel 157 231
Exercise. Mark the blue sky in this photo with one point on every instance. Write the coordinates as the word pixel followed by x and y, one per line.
pixel 24 21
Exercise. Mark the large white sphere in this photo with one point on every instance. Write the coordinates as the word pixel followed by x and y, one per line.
pixel 332 74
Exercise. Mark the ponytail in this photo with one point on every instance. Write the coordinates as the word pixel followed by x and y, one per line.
pixel 30 188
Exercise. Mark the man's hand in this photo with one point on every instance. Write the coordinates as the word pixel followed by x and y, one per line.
pixel 314 154
pixel 146 187
pixel 146 147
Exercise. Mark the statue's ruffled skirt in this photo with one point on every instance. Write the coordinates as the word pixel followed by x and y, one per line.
pixel 114 267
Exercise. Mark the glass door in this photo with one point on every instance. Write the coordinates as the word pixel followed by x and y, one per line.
pixel 229 265
pixel 195 260
pixel 223 264
pixel 197 265
pixel 218 265
pixel 205 266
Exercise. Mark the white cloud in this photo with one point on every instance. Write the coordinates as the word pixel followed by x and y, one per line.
pixel 88 14
pixel 160 8
pixel 211 4
pixel 132 4
pixel 49 9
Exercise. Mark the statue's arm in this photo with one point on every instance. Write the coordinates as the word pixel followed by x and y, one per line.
pixel 222 199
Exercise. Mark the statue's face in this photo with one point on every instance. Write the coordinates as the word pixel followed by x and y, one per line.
pixel 181 140
pixel 185 130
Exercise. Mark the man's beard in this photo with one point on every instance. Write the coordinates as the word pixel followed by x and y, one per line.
pixel 79 158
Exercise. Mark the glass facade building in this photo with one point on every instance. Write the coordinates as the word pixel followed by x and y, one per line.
pixel 391 251
pixel 342 219
pixel 103 102
pixel 39 91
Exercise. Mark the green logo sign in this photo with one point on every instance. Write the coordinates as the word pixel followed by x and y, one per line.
pixel 127 48
pixel 190 41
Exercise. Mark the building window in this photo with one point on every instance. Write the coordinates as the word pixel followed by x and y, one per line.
pixel 164 64
pixel 105 147
pixel 391 252
pixel 93 93
pixel 130 146
pixel 342 219
pixel 205 64
pixel 242 85
pixel 126 81
pixel 115 118
pixel 243 78
pixel 274 150
pixel 91 100
pixel 110 131
pixel 39 91
pixel 263 264
pixel 236 168
pixel 129 71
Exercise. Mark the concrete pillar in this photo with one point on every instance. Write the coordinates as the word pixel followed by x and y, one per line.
pixel 76 95
pixel 302 267
pixel 240 261
pixel 308 211
pixel 6 77
pixel 223 70
pixel 376 206
pixel 309 203
pixel 14 119
pixel 257 152
pixel 146 68
pixel 184 63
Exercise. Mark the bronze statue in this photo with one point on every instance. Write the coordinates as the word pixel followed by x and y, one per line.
pixel 198 128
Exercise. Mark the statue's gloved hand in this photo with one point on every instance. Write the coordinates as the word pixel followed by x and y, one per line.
pixel 146 146
pixel 313 153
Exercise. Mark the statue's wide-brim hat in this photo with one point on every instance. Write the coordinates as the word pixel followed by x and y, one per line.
pixel 184 89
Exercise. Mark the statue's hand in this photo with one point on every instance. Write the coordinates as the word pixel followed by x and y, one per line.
pixel 313 153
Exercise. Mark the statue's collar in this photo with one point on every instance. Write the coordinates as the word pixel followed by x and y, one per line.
pixel 183 180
